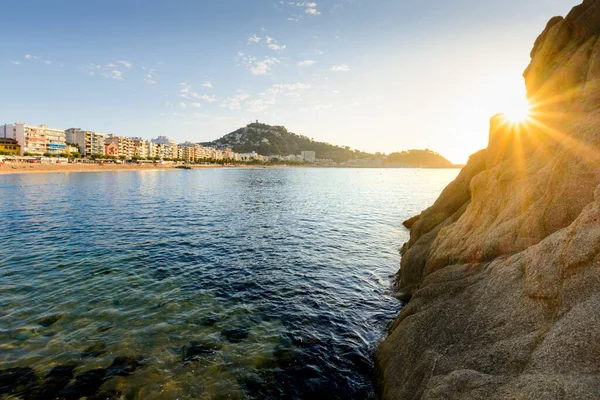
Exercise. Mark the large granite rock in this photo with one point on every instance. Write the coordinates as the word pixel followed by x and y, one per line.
pixel 503 271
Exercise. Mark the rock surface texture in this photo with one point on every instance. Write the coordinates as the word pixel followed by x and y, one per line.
pixel 502 273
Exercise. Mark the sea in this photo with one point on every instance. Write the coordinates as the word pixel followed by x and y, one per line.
pixel 202 284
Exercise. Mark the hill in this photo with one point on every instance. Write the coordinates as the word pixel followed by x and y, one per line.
pixel 416 158
pixel 268 140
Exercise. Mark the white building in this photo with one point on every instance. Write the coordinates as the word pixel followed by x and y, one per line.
pixel 166 148
pixel 36 139
pixel 88 142
pixel 309 156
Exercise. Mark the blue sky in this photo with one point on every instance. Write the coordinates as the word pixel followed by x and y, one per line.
pixel 377 75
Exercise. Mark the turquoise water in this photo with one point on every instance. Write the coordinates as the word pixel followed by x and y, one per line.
pixel 206 284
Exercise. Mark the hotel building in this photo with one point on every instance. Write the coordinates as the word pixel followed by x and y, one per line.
pixel 126 145
pixel 88 142
pixel 36 139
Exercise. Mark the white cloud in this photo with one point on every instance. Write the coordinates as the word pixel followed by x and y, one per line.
pixel 182 105
pixel 310 7
pixel 307 63
pixel 254 39
pixel 273 44
pixel 126 64
pixel 270 42
pixel 235 102
pixel 283 87
pixel 207 84
pixel 32 57
pixel 276 47
pixel 196 105
pixel 260 67
pixel 208 99
pixel 340 68
pixel 150 77
pixel 256 66
pixel 185 91
pixel 16 62
pixel 169 104
pixel 116 74
pixel 259 104
pixel 107 71
pixel 263 67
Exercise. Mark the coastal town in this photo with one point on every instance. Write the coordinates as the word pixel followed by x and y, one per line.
pixel 40 143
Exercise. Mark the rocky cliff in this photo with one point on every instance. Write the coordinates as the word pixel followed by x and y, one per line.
pixel 502 273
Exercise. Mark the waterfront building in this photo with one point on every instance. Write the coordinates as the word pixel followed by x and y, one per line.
pixel 308 156
pixel 72 149
pixel 88 142
pixel 228 153
pixel 9 147
pixel 166 148
pixel 251 156
pixel 151 149
pixel 111 149
pixel 36 139
pixel 125 145
pixel 140 147
pixel 187 151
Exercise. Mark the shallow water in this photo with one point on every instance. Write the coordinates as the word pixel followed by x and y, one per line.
pixel 262 283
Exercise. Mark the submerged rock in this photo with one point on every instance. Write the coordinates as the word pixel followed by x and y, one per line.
pixel 236 335
pixel 209 320
pixel 49 320
pixel 124 366
pixel 503 271
pixel 197 350
pixel 88 383
pixel 56 380
pixel 16 380
pixel 95 350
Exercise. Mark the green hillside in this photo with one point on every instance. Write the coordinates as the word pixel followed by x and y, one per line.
pixel 418 158
pixel 270 140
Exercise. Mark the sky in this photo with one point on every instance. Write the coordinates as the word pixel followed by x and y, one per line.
pixel 376 75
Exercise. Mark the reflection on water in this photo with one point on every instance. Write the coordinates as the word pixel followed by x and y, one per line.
pixel 201 284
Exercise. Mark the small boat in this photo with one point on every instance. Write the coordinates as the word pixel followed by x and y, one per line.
pixel 183 167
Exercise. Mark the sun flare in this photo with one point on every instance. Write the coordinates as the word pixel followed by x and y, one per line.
pixel 518 112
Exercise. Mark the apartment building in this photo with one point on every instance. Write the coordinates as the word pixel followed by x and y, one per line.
pixel 36 139
pixel 166 148
pixel 140 147
pixel 9 147
pixel 88 142
pixel 126 145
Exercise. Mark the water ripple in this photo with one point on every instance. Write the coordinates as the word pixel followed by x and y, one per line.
pixel 227 283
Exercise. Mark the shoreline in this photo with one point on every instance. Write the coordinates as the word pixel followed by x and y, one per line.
pixel 27 168
pixel 9 169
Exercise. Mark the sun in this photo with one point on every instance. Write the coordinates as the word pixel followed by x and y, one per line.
pixel 518 111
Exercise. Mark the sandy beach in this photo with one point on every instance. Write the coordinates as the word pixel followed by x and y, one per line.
pixel 28 168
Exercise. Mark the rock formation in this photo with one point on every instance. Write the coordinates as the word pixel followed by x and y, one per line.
pixel 503 271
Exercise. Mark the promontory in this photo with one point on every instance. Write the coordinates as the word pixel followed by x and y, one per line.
pixel 502 273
